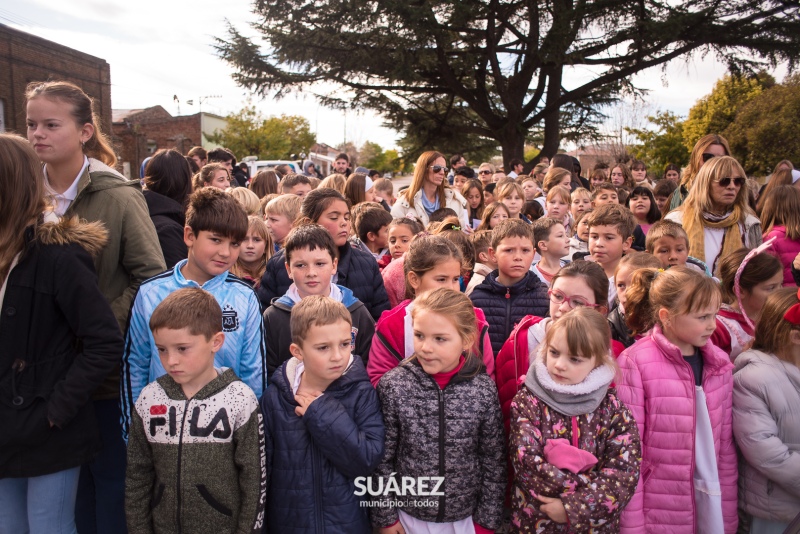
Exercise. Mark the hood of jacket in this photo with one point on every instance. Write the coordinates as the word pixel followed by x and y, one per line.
pixel 98 177
pixel 92 237
pixel 158 204
pixel 490 283
pixel 283 378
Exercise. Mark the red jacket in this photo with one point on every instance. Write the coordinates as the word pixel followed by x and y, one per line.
pixel 388 346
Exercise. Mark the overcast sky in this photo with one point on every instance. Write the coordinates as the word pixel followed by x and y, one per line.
pixel 161 49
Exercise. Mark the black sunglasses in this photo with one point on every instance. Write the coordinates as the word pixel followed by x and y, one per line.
pixel 707 156
pixel 438 168
pixel 484 172
pixel 725 182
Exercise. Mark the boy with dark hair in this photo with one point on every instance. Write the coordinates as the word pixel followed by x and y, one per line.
pixel 372 227
pixel 199 155
pixel 516 166
pixel 512 291
pixel 216 224
pixel 311 260
pixel 610 236
pixel 296 184
pixel 552 243
pixel 197 439
pixel 441 214
pixel 323 422
pixel 481 242
pixel 604 193
pixel 223 157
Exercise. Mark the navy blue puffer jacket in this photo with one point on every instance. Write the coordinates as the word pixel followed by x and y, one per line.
pixel 313 460
pixel 505 306
pixel 357 271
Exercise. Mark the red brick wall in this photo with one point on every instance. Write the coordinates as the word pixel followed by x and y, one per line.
pixel 26 58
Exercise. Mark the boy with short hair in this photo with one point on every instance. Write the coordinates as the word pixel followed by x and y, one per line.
pixel 552 243
pixel 481 242
pixel 296 184
pixel 280 215
pixel 216 224
pixel 372 228
pixel 669 242
pixel 196 447
pixel 323 426
pixel 610 236
pixel 311 260
pixel 603 194
pixel 512 291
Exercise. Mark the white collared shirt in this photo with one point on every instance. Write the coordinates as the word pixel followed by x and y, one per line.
pixel 63 200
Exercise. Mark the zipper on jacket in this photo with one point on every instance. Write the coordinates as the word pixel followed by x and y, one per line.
pixel 694 437
pixel 440 515
pixel 178 478
pixel 318 501
pixel 507 331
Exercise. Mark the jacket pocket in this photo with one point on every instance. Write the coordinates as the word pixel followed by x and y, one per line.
pixel 159 494
pixel 27 425
pixel 212 502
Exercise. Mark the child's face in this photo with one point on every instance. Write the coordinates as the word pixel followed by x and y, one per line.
pixel 574 288
pixel 311 271
pixel 336 220
pixel 400 237
pixel 188 358
pixel 753 300
pixel 437 342
pixel 557 208
pixel 670 251
pixel 583 229
pixel 661 202
pixel 606 245
pixel 640 206
pixel 605 197
pixel 220 179
pixel 381 239
pixel 598 179
pixel 580 204
pixel 691 330
pixel 673 176
pixel 622 279
pixel 445 274
pixel 563 367
pixel 325 352
pixel 300 190
pixel 497 217
pixel 514 204
pixel 513 256
pixel 474 198
pixel 369 196
pixel 52 131
pixel 639 174
pixel 558 242
pixel 253 248
pixel 617 177
pixel 210 254
pixel 488 197
pixel 278 226
pixel 531 189
pixel 459 181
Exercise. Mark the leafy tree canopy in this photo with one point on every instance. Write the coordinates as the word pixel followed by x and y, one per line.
pixel 715 111
pixel 764 131
pixel 249 133
pixel 495 69
pixel 661 145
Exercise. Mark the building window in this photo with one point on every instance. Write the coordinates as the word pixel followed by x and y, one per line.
pixel 152 146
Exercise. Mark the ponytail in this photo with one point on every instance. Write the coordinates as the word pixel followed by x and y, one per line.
pixel 639 314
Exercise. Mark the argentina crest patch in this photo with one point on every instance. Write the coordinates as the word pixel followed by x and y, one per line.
pixel 353 334
pixel 230 319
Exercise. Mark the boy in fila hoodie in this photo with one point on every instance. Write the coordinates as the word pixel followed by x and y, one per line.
pixel 196 452
pixel 311 260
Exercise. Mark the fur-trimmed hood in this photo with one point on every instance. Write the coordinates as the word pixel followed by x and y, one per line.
pixel 91 236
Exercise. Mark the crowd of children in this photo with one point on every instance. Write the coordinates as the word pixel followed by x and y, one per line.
pixel 537 353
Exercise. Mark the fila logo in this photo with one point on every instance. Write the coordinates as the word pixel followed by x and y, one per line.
pixel 170 421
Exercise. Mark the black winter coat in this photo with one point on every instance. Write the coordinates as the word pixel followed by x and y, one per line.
pixel 169 218
pixel 58 340
pixel 313 460
pixel 504 307
pixel 455 433
pixel 619 330
pixel 357 271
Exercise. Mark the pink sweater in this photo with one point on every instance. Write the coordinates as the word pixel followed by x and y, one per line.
pixel 658 387
pixel 786 250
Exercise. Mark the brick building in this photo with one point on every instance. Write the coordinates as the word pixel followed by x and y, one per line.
pixel 26 58
pixel 138 133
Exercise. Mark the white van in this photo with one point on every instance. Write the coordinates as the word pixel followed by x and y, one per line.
pixel 259 165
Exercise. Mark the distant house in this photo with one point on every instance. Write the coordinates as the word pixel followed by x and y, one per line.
pixel 138 133
pixel 591 155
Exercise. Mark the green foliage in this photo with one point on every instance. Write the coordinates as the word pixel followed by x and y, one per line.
pixel 531 152
pixel 715 111
pixel 662 145
pixel 471 75
pixel 249 133
pixel 765 130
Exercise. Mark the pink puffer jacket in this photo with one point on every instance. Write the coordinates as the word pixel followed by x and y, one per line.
pixel 658 387
pixel 786 249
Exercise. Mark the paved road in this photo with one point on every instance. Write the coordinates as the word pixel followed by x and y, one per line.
pixel 401 181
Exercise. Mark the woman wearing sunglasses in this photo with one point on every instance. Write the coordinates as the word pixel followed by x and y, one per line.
pixel 706 148
pixel 716 215
pixel 429 192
